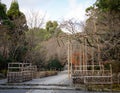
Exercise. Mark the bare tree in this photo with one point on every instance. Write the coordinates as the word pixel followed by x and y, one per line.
pixel 35 19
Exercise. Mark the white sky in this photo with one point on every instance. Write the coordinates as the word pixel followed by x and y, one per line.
pixel 55 9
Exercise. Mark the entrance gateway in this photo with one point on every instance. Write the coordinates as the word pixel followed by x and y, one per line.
pixel 84 69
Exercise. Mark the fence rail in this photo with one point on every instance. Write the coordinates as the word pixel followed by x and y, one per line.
pixel 92 76
pixel 19 72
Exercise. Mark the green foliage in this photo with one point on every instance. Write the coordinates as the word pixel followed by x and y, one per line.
pixel 52 30
pixel 8 23
pixel 44 34
pixel 17 48
pixel 89 8
pixel 115 66
pixel 16 16
pixel 14 11
pixel 3 16
pixel 21 44
pixel 4 73
pixel 108 5
pixel 55 64
pixel 3 11
pixel 51 26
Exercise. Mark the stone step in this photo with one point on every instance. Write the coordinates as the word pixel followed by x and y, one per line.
pixel 41 87
pixel 24 84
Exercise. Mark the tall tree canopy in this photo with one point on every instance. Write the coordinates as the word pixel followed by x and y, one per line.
pixel 3 16
pixel 3 11
pixel 14 11
pixel 17 35
pixel 51 26
pixel 108 5
pixel 104 17
pixel 5 26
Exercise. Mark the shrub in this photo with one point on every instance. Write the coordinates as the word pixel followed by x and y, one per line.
pixel 115 66
pixel 55 64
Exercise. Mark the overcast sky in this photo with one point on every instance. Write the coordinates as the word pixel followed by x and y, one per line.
pixel 55 9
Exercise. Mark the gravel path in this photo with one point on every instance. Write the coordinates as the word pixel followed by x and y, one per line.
pixel 52 84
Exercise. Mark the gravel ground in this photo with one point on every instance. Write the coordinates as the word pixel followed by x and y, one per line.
pixel 48 91
pixel 52 84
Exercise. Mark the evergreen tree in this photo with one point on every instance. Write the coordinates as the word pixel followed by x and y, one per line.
pixel 3 11
pixel 5 26
pixel 108 5
pixel 17 35
pixel 3 16
pixel 52 29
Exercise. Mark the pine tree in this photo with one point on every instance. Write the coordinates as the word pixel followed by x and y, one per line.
pixel 3 11
pixel 17 49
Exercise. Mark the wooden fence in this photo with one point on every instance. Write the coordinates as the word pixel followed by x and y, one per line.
pixel 92 76
pixel 20 72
